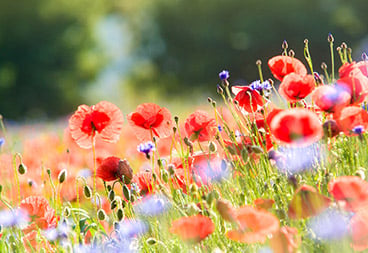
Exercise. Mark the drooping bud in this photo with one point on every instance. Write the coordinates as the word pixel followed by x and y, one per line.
pixel 330 38
pixel 212 147
pixel 62 176
pixel 111 195
pixel 120 214
pixel 126 192
pixel 87 191
pixel 22 169
pixel 101 215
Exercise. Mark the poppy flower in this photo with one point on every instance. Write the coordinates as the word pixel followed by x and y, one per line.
pixel 226 210
pixel 295 87
pixel 286 240
pixel 193 228
pixel 143 179
pixel 103 118
pixel 249 99
pixel 307 202
pixel 282 66
pixel 150 120
pixel 297 125
pixel 41 214
pixel 352 68
pixel 113 168
pixel 359 231
pixel 200 126
pixel 330 98
pixel 263 203
pixel 356 85
pixel 351 190
pixel 255 225
pixel 350 117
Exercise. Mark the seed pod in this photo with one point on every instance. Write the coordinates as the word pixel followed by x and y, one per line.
pixel 151 241
pixel 67 211
pixel 120 214
pixel 87 191
pixel 212 147
pixel 244 154
pixel 126 192
pixel 113 204
pixel 171 169
pixel 111 195
pixel 62 176
pixel 165 176
pixel 101 215
pixel 22 169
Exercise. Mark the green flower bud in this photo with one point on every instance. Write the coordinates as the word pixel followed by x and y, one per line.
pixel 101 215
pixel 87 191
pixel 120 214
pixel 62 176
pixel 22 169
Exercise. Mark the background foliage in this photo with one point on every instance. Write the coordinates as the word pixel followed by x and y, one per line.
pixel 50 55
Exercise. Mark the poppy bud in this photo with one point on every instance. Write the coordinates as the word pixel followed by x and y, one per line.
pixel 109 187
pixel 113 204
pixel 1 188
pixel 256 149
pixel 220 90
pixel 87 191
pixel 151 241
pixel 62 176
pixel 212 147
pixel 120 214
pixel 111 195
pixel 213 103
pixel 193 188
pixel 101 215
pixel 244 154
pixel 126 192
pixel 171 169
pixel 48 171
pixel 176 119
pixel 330 38
pixel 330 128
pixel 67 211
pixel 209 100
pixel 284 45
pixel 291 53
pixel 22 169
pixel 165 176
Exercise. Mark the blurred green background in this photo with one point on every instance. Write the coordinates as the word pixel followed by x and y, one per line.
pixel 55 55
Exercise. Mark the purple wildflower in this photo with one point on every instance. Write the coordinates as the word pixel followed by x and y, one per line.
pixel 224 75
pixel 146 148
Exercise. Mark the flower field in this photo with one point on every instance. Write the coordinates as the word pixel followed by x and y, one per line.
pixel 277 166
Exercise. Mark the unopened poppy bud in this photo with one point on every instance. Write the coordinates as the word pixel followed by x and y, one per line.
pixel 323 65
pixel 109 187
pixel 364 57
pixel 120 214
pixel 225 209
pixel 87 191
pixel 360 173
pixel 48 171
pixel 344 45
pixel 151 241
pixel 330 128
pixel 1 188
pixel 258 62
pixel 22 169
pixel 67 211
pixel 116 225
pixel 209 100
pixel 285 44
pixel 176 119
pixel 212 147
pixel 330 38
pixel 244 154
pixel 193 188
pixel 256 149
pixel 242 198
pixel 62 176
pixel 113 204
pixel 213 103
pixel 165 176
pixel 126 192
pixel 291 53
pixel 101 215
pixel 306 41
pixel 171 169
pixel 210 198
pixel 175 129
pixel 111 195
pixel 220 90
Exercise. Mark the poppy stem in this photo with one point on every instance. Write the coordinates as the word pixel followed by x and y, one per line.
pixel 331 40
pixel 16 177
pixel 94 191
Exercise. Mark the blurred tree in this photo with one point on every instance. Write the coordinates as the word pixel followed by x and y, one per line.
pixel 183 44
pixel 47 55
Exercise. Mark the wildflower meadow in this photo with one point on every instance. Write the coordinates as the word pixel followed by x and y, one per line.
pixel 278 165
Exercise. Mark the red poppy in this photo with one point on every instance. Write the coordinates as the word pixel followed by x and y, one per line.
pixel 41 214
pixel 352 68
pixel 356 85
pixel 297 125
pixel 330 98
pixel 200 126
pixel 351 190
pixel 350 117
pixel 295 87
pixel 307 202
pixel 359 231
pixel 103 118
pixel 226 210
pixel 263 203
pixel 248 98
pixel 113 168
pixel 193 228
pixel 286 240
pixel 143 179
pixel 150 120
pixel 255 225
pixel 282 65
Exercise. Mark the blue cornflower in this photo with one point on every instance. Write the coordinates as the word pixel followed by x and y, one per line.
pixel 146 148
pixel 152 205
pixel 12 218
pixel 358 129
pixel 2 142
pixel 129 229
pixel 330 225
pixel 224 75
pixel 219 128
pixel 257 85
pixel 59 233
